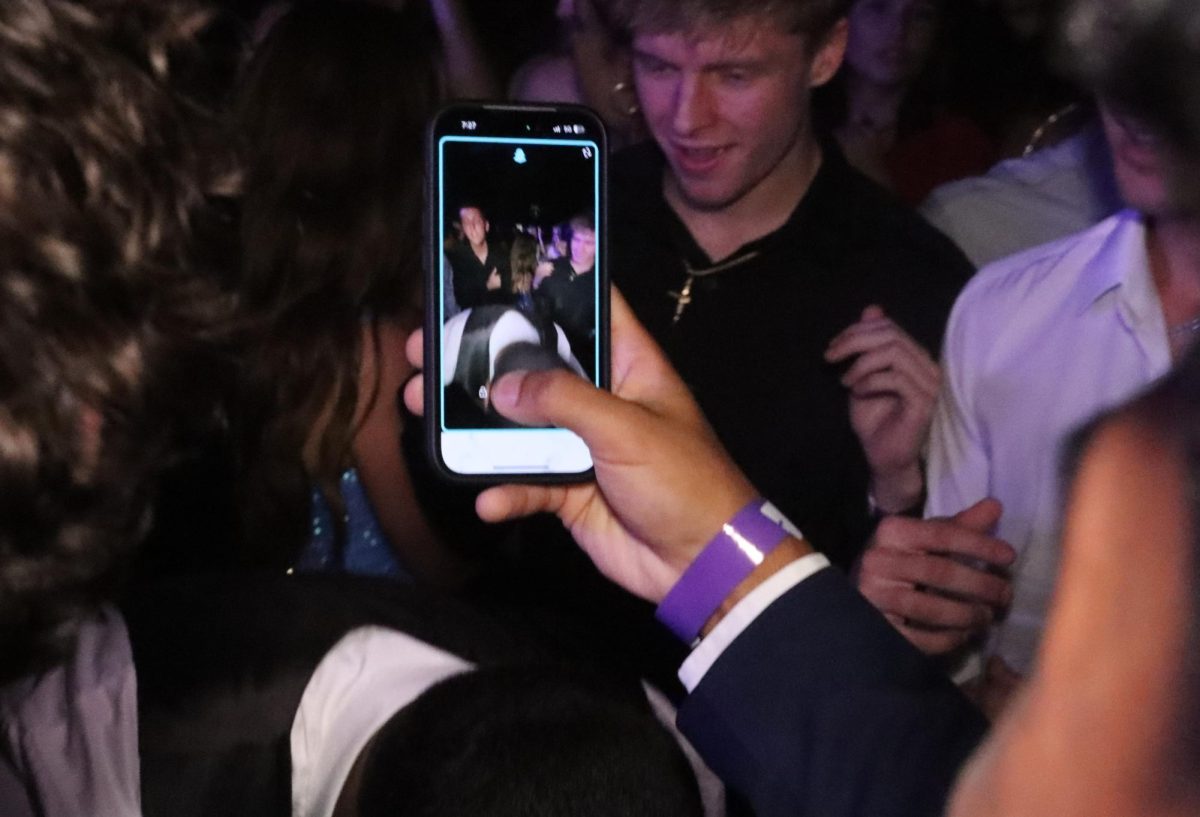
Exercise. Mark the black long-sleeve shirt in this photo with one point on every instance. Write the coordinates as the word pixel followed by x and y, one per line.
pixel 750 344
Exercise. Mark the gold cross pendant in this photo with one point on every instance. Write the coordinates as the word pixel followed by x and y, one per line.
pixel 682 299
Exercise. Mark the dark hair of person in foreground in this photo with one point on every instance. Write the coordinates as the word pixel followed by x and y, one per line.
pixel 526 742
pixel 332 111
pixel 104 171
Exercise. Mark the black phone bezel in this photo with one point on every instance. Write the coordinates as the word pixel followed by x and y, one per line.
pixel 504 120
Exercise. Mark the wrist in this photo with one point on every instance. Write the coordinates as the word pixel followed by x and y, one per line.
pixel 736 560
pixel 787 552
pixel 897 491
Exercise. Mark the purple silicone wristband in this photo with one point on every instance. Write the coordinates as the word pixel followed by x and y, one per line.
pixel 725 562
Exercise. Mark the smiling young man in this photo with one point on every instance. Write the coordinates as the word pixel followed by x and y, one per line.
pixel 568 294
pixel 480 265
pixel 746 244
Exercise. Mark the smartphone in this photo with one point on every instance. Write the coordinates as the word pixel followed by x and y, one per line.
pixel 517 280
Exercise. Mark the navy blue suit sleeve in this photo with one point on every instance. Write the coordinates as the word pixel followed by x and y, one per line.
pixel 821 708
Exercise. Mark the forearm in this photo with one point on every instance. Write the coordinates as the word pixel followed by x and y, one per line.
pixel 467 72
pixel 819 707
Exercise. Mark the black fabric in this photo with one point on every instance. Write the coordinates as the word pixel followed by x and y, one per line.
pixel 751 343
pixel 463 406
pixel 222 663
pixel 545 584
pixel 570 300
pixel 471 370
pixel 470 275
pixel 821 709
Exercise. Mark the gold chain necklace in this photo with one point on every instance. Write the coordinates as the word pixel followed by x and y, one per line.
pixel 684 296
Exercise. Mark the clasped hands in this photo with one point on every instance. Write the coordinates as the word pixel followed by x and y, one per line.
pixel 939 581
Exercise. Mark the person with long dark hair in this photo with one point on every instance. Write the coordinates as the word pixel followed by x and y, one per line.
pixel 108 159
pixel 332 110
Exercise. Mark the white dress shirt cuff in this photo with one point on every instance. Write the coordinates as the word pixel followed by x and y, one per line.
pixel 706 653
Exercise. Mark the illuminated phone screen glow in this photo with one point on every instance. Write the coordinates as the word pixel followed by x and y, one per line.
pixel 519 288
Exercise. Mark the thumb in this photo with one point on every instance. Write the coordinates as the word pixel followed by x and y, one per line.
pixel 566 400
pixel 872 313
pixel 980 517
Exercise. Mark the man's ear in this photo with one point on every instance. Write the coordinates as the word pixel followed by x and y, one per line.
pixel 830 51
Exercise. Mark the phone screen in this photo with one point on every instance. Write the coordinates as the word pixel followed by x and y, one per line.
pixel 518 283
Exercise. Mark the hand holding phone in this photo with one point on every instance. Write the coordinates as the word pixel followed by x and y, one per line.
pixel 498 174
pixel 663 483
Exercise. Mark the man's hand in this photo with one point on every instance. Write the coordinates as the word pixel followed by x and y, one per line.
pixel 493 279
pixel 893 385
pixel 994 689
pixel 934 578
pixel 664 486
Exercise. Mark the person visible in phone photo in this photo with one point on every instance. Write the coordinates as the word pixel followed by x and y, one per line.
pixel 569 293
pixel 524 260
pixel 480 264
pixel 560 243
pixel 528 216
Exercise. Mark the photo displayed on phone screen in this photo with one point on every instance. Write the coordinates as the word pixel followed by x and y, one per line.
pixel 519 219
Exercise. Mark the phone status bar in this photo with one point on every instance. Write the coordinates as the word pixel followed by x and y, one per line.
pixel 571 129
pixel 517 124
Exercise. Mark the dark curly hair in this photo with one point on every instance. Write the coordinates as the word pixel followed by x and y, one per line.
pixel 332 110
pixel 104 171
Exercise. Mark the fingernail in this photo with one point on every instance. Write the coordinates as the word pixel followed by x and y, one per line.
pixel 506 392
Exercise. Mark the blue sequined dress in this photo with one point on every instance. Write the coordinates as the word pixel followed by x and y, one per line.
pixel 367 551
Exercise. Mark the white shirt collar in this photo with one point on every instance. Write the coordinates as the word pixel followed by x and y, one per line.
pixel 371 674
pixel 1122 262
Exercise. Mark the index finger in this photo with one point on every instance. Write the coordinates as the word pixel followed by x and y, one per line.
pixel 414 348
pixel 414 395
pixel 950 539
pixel 862 338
